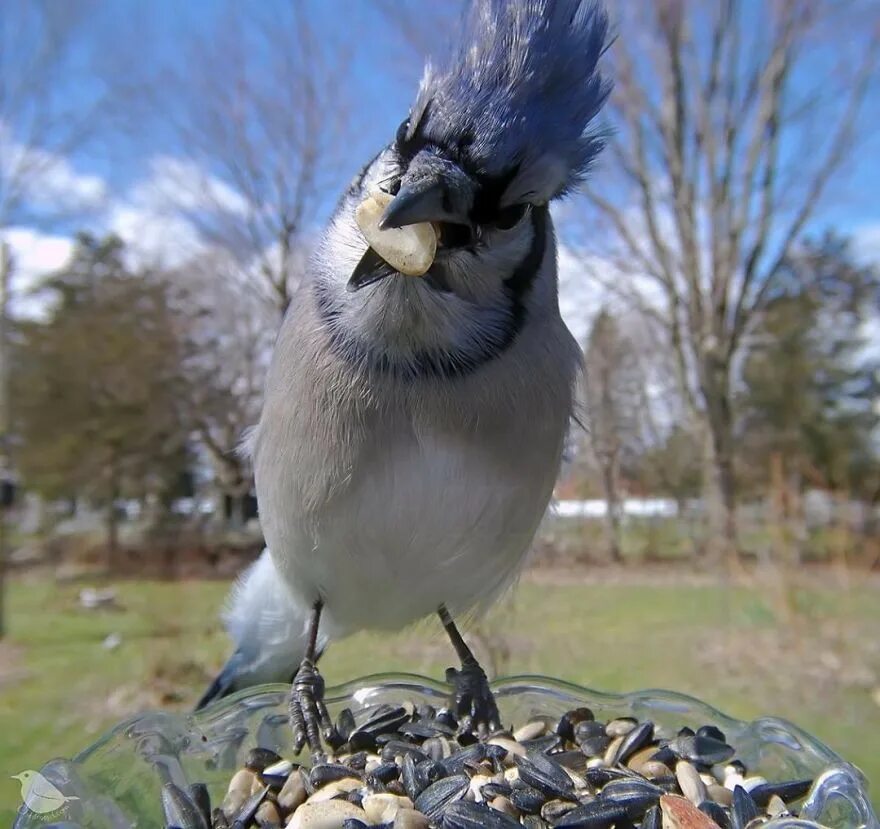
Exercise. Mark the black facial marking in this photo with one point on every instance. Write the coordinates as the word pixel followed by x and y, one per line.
pixel 487 204
pixel 509 217
pixel 455 235
pixel 436 363
pixel 520 282
pixel 411 137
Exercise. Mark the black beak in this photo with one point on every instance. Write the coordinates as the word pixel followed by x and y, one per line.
pixel 372 268
pixel 420 201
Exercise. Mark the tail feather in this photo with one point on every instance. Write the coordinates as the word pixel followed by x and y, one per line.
pixel 268 629
pixel 223 684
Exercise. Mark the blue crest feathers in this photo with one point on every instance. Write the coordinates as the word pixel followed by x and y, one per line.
pixel 517 96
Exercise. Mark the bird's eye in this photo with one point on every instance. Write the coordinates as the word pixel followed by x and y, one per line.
pixel 508 217
pixel 402 131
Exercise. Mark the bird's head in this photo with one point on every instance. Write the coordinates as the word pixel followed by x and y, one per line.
pixel 442 246
pixel 24 776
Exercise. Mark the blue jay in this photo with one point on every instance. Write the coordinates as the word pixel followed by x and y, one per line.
pixel 423 380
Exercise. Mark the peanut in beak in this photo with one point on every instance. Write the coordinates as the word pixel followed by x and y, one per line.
pixel 409 250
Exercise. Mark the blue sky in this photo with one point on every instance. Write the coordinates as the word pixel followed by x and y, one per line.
pixel 135 39
pixel 381 82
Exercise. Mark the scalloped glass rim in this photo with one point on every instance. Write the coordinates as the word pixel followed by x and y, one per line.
pixel 118 779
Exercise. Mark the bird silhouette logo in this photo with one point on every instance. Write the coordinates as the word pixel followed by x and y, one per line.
pixel 40 796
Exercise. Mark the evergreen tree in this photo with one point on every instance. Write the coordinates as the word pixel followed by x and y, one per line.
pixel 96 386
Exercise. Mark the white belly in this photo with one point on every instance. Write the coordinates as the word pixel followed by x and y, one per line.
pixel 424 520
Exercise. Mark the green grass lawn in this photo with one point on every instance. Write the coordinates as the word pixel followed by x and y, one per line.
pixel 60 687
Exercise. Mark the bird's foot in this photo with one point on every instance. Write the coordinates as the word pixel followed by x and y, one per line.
pixel 309 718
pixel 472 699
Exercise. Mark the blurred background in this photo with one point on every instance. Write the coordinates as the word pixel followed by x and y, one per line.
pixel 165 171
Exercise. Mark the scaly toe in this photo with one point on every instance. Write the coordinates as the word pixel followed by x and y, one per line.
pixel 307 712
pixel 473 701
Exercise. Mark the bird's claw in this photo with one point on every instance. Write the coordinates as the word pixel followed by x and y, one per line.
pixel 308 714
pixel 472 699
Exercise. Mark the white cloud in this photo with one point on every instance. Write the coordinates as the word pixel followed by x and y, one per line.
pixel 581 295
pixel 188 187
pixel 150 217
pixel 46 180
pixel 153 236
pixel 35 255
pixel 866 242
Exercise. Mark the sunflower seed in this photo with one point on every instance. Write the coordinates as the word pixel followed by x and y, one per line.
pixel 653 818
pixel 548 776
pixel 634 795
pixel 700 749
pixel 636 739
pixel 599 814
pixel 744 809
pixel 692 787
pixel 249 809
pixel 325 773
pixel 567 722
pixel 468 757
pixel 788 791
pixel 553 810
pixel 530 730
pixel 258 758
pixel 293 793
pixel 422 729
pixel 715 812
pixel 620 727
pixel 383 808
pixel 502 804
pixel 267 816
pixel 180 810
pixel 410 819
pixel 434 800
pixel 334 789
pixel 467 815
pixel 327 815
pixel 198 793
pixel 595 746
pixel 511 746
pixel 345 724
pixel 527 799
pixel 680 813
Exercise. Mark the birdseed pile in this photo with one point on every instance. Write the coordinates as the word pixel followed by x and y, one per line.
pixel 415 768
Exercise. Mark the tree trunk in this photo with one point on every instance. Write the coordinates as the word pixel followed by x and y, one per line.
pixel 612 509
pixel 5 463
pixel 712 499
pixel 796 519
pixel 723 527
pixel 680 505
pixel 112 521
pixel 236 509
pixel 112 537
pixel 727 479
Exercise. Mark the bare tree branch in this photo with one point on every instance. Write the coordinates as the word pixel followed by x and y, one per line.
pixel 260 115
pixel 706 120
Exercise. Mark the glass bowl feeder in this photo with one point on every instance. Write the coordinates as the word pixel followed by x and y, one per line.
pixel 117 782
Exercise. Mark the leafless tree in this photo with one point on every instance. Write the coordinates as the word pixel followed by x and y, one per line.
pixel 613 394
pixel 421 27
pixel 258 114
pixel 729 123
pixel 42 58
pixel 229 334
pixel 669 451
